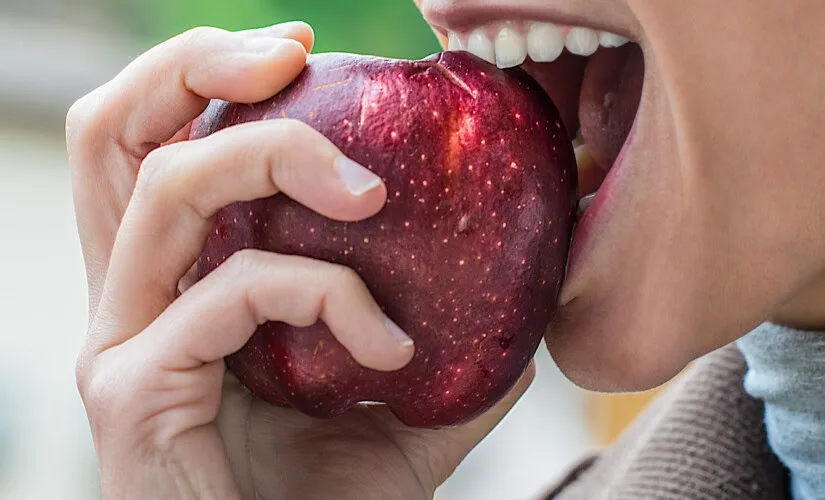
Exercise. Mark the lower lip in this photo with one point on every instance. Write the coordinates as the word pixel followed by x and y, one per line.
pixel 588 225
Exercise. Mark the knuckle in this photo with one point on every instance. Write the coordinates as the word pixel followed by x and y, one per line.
pixel 81 373
pixel 296 130
pixel 99 390
pixel 243 263
pixel 288 154
pixel 171 176
pixel 76 118
pixel 154 176
pixel 150 175
pixel 84 123
pixel 201 36
pixel 239 270
pixel 95 391
pixel 114 384
pixel 344 277
pixel 85 362
pixel 292 125
pixel 151 168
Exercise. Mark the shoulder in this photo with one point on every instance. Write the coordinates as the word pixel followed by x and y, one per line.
pixel 703 438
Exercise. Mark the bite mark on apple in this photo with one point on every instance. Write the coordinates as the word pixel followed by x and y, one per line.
pixel 453 78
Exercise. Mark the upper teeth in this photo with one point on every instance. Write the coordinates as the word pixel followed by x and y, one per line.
pixel 582 41
pixel 545 42
pixel 480 45
pixel 511 48
pixel 509 45
pixel 611 39
pixel 456 43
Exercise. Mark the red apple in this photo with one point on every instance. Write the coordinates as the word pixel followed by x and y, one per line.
pixel 467 256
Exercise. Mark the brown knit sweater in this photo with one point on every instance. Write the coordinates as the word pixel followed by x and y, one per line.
pixel 704 439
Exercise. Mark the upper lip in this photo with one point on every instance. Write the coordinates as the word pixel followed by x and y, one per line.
pixel 451 16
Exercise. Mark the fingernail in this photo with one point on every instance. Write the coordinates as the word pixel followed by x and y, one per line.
pixel 356 178
pixel 403 339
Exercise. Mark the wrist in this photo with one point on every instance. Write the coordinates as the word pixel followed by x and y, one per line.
pixel 162 475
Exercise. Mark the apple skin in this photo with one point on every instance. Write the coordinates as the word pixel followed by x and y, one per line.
pixel 467 256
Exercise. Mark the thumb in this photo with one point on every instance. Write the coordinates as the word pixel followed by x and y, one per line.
pixel 461 440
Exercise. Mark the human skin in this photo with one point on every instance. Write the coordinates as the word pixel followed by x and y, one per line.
pixel 715 228
pixel 716 225
pixel 166 418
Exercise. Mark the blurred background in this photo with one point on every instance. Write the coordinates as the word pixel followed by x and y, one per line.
pixel 54 51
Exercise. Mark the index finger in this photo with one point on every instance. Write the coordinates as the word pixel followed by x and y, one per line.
pixel 110 131
pixel 170 85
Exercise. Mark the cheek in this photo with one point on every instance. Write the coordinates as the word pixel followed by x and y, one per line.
pixel 747 117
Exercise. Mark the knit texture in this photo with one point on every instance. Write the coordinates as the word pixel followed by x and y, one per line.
pixel 703 439
pixel 786 370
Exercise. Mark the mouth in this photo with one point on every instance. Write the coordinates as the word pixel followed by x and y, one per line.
pixel 594 77
pixel 600 69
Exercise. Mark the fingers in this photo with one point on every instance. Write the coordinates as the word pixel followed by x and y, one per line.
pixel 182 186
pixel 109 131
pixel 219 314
pixel 171 84
pixel 296 30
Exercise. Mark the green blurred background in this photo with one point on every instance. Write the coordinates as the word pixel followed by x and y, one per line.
pixel 390 28
pixel 52 52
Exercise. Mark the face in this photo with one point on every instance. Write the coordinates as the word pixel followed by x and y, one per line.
pixel 707 135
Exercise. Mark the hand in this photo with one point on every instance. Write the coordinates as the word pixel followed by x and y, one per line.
pixel 168 421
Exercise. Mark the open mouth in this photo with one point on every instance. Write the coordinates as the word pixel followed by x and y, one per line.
pixel 594 78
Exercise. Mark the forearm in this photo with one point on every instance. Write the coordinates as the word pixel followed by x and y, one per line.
pixel 787 371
